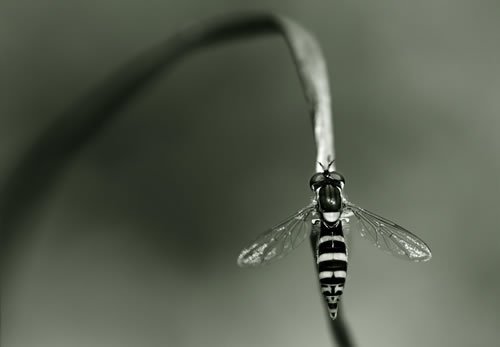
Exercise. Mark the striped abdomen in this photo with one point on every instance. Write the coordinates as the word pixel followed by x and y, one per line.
pixel 332 265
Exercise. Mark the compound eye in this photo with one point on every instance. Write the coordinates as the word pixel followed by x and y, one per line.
pixel 316 181
pixel 338 178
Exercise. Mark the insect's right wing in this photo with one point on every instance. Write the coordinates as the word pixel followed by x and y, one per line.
pixel 385 234
pixel 280 240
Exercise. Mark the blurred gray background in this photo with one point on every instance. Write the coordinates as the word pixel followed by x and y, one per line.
pixel 137 244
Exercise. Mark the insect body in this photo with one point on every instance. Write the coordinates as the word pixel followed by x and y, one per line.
pixel 331 250
pixel 331 258
pixel 330 214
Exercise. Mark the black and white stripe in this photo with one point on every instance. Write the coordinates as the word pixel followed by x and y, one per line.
pixel 332 264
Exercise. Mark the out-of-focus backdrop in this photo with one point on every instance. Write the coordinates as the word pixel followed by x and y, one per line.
pixel 136 245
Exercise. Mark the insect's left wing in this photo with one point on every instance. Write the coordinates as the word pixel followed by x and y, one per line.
pixel 278 241
pixel 385 234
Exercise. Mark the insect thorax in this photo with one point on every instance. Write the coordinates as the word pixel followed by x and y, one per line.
pixel 327 187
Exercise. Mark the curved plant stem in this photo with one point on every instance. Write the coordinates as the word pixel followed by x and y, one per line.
pixel 41 166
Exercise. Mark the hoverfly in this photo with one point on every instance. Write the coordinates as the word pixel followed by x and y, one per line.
pixel 330 214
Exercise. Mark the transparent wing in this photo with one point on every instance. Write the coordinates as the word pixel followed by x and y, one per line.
pixel 385 234
pixel 278 241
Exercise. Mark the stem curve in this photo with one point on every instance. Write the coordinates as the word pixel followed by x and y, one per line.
pixel 41 166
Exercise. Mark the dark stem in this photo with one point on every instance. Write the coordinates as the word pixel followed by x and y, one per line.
pixel 42 165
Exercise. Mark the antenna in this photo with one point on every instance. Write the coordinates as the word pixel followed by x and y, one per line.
pixel 330 163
